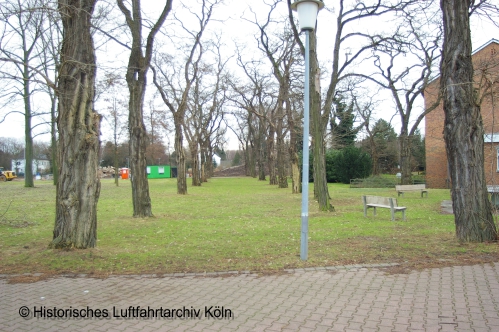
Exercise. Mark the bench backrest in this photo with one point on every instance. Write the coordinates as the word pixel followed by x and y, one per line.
pixel 410 187
pixel 380 200
pixel 493 188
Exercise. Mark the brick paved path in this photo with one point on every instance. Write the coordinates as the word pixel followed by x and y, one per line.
pixel 463 298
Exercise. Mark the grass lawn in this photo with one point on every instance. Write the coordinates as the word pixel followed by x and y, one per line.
pixel 229 224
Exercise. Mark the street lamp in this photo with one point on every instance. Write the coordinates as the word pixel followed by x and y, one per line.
pixel 307 16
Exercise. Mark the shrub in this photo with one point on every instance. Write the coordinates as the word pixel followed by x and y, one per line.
pixel 350 163
pixel 343 165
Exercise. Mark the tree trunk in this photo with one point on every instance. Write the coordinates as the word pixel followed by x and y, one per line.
pixel 295 171
pixel 136 74
pixel 196 181
pixel 115 162
pixel 261 150
pixel 78 187
pixel 180 158
pixel 53 141
pixel 138 144
pixel 271 156
pixel 375 159
pixel 28 141
pixel 294 159
pixel 251 168
pixel 251 152
pixel 281 158
pixel 248 152
pixel 209 161
pixel 463 129
pixel 136 81
pixel 405 159
pixel 204 158
pixel 293 154
pixel 321 190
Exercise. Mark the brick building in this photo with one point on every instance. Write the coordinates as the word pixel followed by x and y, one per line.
pixel 486 66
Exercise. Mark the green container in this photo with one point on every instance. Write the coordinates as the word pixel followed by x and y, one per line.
pixel 159 172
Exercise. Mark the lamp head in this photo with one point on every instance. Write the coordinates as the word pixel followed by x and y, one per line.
pixel 307 12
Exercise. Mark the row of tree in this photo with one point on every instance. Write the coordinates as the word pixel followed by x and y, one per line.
pixel 48 51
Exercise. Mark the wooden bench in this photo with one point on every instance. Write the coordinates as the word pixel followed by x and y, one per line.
pixel 382 202
pixel 411 187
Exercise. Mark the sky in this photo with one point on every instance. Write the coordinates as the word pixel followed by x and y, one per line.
pixel 228 21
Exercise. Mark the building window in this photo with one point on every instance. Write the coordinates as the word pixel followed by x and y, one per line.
pixel 497 161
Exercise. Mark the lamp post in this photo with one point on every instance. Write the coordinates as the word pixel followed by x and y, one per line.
pixel 307 16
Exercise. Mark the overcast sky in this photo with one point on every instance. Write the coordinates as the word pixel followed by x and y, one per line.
pixel 236 29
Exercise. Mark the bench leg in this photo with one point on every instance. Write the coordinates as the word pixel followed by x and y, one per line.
pixel 403 215
pixel 399 193
pixel 425 193
pixel 374 211
pixel 393 214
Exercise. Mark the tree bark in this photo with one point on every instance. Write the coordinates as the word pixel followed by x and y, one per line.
pixel 251 150
pixel 196 180
pixel 204 158
pixel 138 66
pixel 405 158
pixel 261 149
pixel 281 159
pixel 321 190
pixel 180 157
pixel 53 140
pixel 138 142
pixel 209 161
pixel 28 141
pixel 78 187
pixel 292 150
pixel 115 147
pixel 374 155
pixel 463 128
pixel 271 158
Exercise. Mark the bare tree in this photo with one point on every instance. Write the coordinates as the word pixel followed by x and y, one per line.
pixel 193 124
pixel 280 51
pixel 244 132
pixel 51 47
pixel 78 188
pixel 212 134
pixel 175 95
pixel 205 114
pixel 418 48
pixel 19 45
pixel 463 129
pixel 138 66
pixel 256 97
pixel 111 86
pixel 347 13
pixel 158 124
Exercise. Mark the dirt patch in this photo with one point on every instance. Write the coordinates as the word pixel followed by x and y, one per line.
pixel 28 279
pixel 235 171
pixel 429 263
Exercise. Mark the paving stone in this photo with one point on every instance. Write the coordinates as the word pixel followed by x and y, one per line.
pixel 356 298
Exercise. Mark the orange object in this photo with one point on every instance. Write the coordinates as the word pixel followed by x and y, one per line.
pixel 125 172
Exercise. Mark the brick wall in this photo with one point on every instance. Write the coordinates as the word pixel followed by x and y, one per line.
pixel 486 64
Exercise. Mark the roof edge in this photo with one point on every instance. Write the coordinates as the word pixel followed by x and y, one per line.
pixel 493 40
